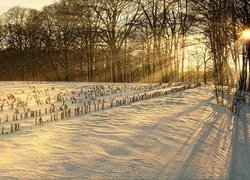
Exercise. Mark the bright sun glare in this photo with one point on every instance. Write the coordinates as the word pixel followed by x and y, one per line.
pixel 246 34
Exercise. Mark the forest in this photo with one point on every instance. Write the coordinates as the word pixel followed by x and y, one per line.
pixel 127 41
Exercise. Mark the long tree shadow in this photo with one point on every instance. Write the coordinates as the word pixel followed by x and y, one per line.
pixel 240 161
pixel 180 114
pixel 203 131
pixel 206 132
pixel 190 151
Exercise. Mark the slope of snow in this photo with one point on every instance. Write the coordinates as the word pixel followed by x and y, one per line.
pixel 182 135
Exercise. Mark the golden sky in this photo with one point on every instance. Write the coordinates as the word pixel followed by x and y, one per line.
pixel 36 4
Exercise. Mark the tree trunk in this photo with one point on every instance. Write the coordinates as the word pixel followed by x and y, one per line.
pixel 183 57
pixel 205 73
pixel 248 58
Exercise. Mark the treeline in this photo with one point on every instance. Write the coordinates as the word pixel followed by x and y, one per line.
pixel 101 40
pixel 223 23
pixel 122 40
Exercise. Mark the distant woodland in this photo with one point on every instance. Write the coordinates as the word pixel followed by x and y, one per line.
pixel 126 41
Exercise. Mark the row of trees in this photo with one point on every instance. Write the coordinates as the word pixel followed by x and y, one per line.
pixel 100 40
pixel 223 22
pixel 127 41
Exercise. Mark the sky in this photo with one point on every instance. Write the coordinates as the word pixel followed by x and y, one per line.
pixel 5 5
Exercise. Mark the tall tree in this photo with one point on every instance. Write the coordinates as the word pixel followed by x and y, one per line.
pixel 117 21
pixel 65 30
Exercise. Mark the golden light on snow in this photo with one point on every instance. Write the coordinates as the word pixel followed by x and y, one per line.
pixel 245 35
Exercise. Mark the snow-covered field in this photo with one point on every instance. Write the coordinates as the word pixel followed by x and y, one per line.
pixel 150 132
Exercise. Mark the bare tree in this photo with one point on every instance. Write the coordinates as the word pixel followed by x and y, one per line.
pixel 15 20
pixel 117 21
pixel 65 29
pixel 87 34
pixel 48 37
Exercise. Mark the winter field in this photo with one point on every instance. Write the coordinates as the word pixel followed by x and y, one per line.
pixel 120 131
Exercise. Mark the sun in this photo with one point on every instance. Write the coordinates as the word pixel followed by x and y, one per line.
pixel 245 35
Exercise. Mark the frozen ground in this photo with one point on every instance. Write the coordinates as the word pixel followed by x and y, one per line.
pixel 183 135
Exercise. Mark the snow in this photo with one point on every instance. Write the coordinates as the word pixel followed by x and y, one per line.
pixel 241 147
pixel 182 135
